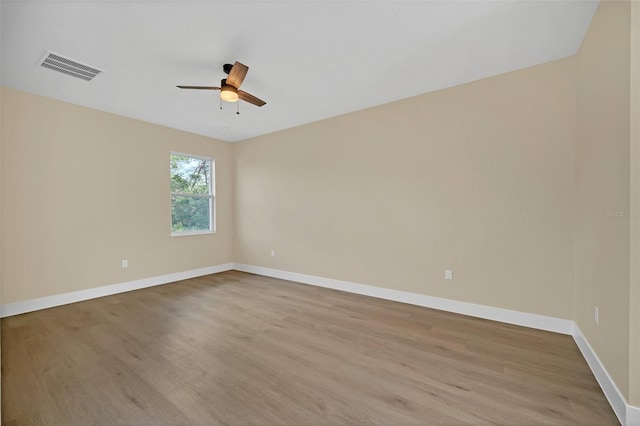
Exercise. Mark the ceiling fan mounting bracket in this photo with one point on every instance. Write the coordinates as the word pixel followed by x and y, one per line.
pixel 227 68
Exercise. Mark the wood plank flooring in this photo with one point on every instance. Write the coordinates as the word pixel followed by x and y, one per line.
pixel 240 349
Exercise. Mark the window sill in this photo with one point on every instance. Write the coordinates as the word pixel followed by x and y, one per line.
pixel 186 233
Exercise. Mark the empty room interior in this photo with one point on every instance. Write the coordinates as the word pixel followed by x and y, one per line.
pixel 319 213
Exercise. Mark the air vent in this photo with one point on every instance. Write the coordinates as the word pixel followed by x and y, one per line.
pixel 69 67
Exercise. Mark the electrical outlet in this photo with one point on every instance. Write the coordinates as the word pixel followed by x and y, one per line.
pixel 596 315
pixel 125 263
pixel 273 253
pixel 448 274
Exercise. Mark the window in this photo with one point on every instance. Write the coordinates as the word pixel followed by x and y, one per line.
pixel 192 195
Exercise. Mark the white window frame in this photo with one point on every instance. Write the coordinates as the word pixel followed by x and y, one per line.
pixel 211 196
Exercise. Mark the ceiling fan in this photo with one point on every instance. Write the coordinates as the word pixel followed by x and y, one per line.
pixel 230 86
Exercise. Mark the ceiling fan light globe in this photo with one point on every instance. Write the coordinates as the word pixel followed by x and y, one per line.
pixel 229 94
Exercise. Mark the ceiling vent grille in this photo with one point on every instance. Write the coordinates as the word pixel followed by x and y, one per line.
pixel 69 66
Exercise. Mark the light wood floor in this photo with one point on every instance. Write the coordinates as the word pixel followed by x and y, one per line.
pixel 239 349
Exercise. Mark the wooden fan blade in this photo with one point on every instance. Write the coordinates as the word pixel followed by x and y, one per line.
pixel 199 87
pixel 247 97
pixel 237 74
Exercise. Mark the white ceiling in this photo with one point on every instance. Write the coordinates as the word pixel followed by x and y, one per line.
pixel 308 60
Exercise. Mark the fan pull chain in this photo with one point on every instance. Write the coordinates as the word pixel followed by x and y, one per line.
pixel 237 107
pixel 220 102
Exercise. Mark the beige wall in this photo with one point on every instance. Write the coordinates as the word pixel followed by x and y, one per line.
pixel 634 291
pixel 602 265
pixel 83 189
pixel 476 178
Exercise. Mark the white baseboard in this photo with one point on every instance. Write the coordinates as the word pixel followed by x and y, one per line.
pixel 633 416
pixel 540 322
pixel 92 293
pixel 627 414
pixel 611 391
